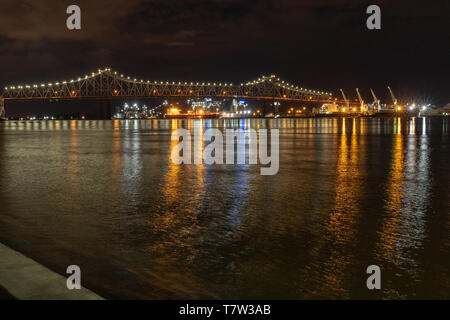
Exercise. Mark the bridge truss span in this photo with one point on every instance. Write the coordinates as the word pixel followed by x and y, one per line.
pixel 106 84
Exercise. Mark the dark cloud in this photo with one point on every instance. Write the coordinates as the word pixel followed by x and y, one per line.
pixel 321 44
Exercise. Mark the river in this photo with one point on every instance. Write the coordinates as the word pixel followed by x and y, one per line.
pixel 349 193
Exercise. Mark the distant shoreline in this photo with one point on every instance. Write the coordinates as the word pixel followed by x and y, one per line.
pixel 243 118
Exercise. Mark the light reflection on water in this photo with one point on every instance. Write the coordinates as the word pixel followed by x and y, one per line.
pixel 349 193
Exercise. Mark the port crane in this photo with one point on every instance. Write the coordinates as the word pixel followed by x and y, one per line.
pixel 345 99
pixel 375 100
pixel 361 101
pixel 394 99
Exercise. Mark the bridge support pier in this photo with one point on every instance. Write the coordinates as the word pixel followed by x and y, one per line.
pixel 2 109
pixel 105 109
pixel 276 108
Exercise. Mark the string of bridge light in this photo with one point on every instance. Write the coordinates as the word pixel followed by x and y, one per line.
pixel 283 84
pixel 259 80
pixel 93 74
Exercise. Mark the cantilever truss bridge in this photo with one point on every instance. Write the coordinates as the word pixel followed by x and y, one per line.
pixel 106 84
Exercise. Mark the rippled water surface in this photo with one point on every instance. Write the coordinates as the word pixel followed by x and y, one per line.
pixel 349 193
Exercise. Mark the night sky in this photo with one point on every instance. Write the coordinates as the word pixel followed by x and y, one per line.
pixel 313 43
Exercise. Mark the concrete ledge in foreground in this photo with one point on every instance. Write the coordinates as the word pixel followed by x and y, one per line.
pixel 26 279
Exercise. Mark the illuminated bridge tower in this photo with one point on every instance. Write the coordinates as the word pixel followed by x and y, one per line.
pixel 2 109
